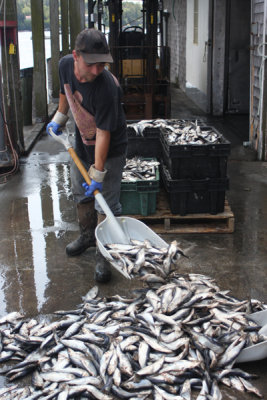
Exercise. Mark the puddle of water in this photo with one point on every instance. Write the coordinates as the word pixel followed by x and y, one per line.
pixel 25 269
pixel 38 247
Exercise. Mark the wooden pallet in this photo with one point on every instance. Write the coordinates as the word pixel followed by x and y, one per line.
pixel 163 221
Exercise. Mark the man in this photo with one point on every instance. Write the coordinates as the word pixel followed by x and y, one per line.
pixel 93 95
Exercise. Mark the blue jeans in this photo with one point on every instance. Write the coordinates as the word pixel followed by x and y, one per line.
pixel 111 184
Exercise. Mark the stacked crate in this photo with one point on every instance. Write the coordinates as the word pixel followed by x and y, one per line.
pixel 194 174
pixel 144 139
pixel 138 195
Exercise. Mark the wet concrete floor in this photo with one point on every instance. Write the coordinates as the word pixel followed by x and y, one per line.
pixel 38 220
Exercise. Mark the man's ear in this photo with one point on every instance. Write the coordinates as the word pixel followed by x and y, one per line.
pixel 75 56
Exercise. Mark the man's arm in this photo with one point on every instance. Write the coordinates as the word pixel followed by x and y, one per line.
pixel 63 105
pixel 101 148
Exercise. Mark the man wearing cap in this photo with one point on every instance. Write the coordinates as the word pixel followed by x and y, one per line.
pixel 93 95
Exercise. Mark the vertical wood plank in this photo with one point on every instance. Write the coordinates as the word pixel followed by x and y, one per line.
pixel 11 73
pixel 77 19
pixel 54 28
pixel 39 69
pixel 64 6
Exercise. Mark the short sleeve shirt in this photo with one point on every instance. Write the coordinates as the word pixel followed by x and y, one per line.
pixel 95 104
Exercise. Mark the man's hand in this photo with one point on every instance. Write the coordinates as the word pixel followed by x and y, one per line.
pixel 56 128
pixel 57 123
pixel 97 178
pixel 89 189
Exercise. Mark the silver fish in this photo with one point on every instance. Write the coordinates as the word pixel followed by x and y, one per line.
pixel 55 376
pixel 152 368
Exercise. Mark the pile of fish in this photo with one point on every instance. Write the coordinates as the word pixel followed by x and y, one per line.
pixel 155 125
pixel 139 127
pixel 191 134
pixel 140 259
pixel 137 168
pixel 179 131
pixel 176 338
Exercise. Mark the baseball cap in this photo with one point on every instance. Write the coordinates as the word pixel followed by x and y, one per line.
pixel 92 46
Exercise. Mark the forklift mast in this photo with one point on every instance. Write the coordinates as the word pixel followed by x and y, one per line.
pixel 141 58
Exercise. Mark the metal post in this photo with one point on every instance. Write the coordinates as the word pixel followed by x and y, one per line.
pixel 4 156
pixel 114 20
pixel 99 14
pixel 91 17
pixel 151 23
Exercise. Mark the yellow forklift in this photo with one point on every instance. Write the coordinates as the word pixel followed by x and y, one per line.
pixel 141 57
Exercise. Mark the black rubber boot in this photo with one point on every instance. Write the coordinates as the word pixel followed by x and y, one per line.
pixel 102 269
pixel 87 218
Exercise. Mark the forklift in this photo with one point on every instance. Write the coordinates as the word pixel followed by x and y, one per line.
pixel 141 57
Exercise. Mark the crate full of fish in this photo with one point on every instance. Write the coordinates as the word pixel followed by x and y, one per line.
pixel 144 128
pixel 139 186
pixel 193 196
pixel 153 127
pixel 143 140
pixel 194 151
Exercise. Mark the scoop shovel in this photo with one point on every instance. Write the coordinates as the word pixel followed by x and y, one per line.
pixel 257 351
pixel 112 229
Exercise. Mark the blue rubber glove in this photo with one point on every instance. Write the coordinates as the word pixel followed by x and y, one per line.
pixel 89 189
pixel 56 128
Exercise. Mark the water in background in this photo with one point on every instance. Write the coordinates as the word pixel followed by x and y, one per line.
pixel 25 49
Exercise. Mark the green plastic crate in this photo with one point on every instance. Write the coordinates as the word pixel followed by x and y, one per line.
pixel 140 197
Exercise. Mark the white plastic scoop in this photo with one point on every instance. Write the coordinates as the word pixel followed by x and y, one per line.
pixel 132 229
pixel 253 353
pixel 260 317
pixel 257 351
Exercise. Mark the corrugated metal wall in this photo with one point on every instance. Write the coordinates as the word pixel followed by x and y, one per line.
pixel 257 74
pixel 177 40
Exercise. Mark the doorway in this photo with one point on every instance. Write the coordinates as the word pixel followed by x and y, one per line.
pixel 197 52
pixel 238 57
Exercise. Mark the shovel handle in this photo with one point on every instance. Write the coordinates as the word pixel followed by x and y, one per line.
pixel 81 168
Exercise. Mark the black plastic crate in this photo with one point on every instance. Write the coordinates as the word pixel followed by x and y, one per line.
pixel 183 122
pixel 144 147
pixel 136 129
pixel 152 132
pixel 196 161
pixel 189 196
pixel 131 132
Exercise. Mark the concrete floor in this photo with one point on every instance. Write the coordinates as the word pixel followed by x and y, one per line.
pixel 38 220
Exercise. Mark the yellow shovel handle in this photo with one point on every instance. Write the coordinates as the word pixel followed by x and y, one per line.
pixel 81 168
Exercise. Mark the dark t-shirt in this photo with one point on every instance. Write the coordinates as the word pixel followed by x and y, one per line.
pixel 94 104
